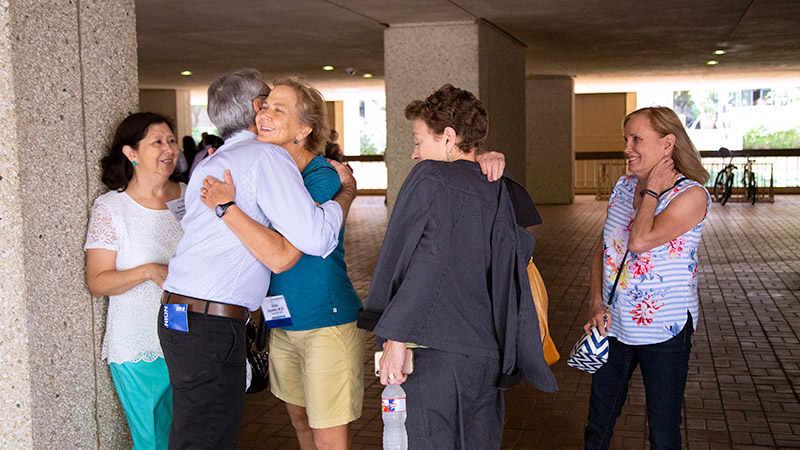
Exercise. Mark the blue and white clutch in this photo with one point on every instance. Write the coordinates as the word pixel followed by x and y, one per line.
pixel 590 352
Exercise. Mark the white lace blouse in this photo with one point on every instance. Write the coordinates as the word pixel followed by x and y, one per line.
pixel 139 235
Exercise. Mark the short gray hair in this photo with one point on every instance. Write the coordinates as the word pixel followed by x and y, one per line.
pixel 230 100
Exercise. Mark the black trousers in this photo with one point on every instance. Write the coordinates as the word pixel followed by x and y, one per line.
pixel 207 370
pixel 453 403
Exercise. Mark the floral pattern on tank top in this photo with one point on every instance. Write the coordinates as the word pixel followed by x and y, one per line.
pixel 656 288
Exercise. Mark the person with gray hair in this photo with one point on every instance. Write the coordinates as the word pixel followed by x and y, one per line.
pixel 219 278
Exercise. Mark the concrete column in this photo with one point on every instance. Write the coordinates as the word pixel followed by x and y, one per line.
pixel 183 114
pixel 476 56
pixel 174 104
pixel 68 75
pixel 550 143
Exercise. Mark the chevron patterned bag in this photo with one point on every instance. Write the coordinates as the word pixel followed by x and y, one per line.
pixel 591 350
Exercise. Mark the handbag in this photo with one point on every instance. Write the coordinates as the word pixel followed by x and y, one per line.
pixel 539 293
pixel 591 350
pixel 257 356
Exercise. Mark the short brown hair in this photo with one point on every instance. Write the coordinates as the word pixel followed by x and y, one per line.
pixel 311 111
pixel 686 157
pixel 455 108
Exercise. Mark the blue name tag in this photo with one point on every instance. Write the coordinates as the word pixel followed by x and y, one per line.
pixel 174 317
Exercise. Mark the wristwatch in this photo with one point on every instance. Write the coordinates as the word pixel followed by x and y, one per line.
pixel 220 209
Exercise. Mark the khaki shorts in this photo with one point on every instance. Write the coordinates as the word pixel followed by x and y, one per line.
pixel 321 370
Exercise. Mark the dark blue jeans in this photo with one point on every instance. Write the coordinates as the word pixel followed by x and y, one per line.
pixel 207 371
pixel 664 367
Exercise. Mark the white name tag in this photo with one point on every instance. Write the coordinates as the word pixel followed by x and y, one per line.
pixel 275 311
pixel 177 207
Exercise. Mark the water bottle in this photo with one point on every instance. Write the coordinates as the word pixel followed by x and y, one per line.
pixel 393 408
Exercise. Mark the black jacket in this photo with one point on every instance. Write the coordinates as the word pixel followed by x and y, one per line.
pixel 451 272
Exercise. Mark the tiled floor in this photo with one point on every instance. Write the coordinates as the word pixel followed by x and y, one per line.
pixel 744 378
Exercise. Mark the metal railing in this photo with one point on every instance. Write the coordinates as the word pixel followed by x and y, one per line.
pixel 775 170
pixel 597 172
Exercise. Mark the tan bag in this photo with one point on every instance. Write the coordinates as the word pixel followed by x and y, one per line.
pixel 539 293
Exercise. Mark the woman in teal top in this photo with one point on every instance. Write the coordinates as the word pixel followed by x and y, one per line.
pixel 318 291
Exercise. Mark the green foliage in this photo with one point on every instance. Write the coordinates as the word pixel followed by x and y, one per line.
pixel 367 146
pixel 762 138
pixel 705 101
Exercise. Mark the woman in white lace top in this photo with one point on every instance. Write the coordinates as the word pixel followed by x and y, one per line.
pixel 131 237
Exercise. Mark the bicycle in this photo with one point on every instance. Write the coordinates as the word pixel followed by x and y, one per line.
pixel 723 184
pixel 749 182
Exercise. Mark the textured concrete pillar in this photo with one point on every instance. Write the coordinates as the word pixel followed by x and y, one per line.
pixel 68 75
pixel 550 142
pixel 475 56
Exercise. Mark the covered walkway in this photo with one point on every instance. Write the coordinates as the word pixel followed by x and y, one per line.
pixel 744 378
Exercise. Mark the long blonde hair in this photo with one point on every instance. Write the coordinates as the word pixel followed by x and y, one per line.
pixel 687 159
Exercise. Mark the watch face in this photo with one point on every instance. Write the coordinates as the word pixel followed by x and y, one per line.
pixel 219 210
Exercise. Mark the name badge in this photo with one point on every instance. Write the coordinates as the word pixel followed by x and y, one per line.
pixel 174 317
pixel 275 311
pixel 177 207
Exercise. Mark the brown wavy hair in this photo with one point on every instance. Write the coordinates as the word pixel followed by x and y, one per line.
pixel 455 108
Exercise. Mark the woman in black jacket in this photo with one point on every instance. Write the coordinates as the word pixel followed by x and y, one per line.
pixel 447 284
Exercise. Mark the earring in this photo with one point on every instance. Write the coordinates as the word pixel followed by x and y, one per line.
pixel 134 163
pixel 295 141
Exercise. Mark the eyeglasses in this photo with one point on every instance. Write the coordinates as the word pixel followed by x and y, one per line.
pixel 261 98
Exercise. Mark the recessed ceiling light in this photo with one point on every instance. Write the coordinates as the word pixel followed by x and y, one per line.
pixel 327 67
pixel 367 75
pixel 712 63
pixel 186 73
pixel 719 52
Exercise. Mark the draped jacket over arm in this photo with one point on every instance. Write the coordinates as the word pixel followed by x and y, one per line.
pixel 451 274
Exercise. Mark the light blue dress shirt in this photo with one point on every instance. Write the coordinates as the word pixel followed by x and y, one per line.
pixel 211 263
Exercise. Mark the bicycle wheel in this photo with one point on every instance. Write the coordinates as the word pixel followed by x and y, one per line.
pixel 752 190
pixel 728 188
pixel 719 185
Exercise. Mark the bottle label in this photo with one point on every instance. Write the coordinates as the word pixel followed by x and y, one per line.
pixel 393 405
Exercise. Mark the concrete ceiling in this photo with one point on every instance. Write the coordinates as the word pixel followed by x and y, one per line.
pixel 596 41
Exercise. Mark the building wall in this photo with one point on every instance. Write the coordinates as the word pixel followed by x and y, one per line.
pixel 454 59
pixel 502 91
pixel 69 75
pixel 598 120
pixel 550 144
pixel 469 55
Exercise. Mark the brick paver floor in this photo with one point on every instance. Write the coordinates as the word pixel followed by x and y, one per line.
pixel 743 389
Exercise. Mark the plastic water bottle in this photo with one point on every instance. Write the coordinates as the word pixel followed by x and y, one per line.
pixel 393 409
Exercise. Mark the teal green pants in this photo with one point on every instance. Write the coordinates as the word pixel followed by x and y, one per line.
pixel 146 396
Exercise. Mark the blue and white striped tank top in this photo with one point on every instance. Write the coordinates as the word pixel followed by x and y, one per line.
pixel 656 287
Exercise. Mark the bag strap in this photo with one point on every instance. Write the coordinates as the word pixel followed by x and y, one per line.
pixel 619 272
pixel 680 180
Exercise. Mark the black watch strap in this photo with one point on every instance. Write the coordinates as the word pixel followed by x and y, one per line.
pixel 221 209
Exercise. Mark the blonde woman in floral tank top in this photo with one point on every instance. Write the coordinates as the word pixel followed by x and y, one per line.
pixel 649 242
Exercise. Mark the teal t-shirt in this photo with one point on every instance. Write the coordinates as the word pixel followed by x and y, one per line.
pixel 318 291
